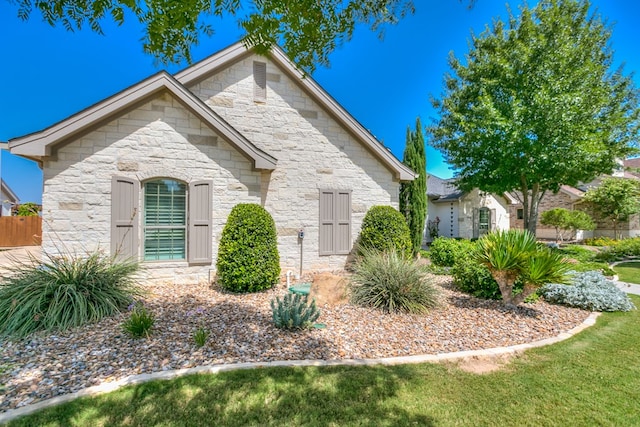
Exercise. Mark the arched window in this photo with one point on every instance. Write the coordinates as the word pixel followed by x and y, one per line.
pixel 165 220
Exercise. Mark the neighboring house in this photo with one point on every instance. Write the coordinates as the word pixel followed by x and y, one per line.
pixel 153 171
pixel 571 198
pixel 465 215
pixel 8 198
pixel 632 166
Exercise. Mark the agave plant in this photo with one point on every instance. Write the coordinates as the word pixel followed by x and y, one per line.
pixel 512 255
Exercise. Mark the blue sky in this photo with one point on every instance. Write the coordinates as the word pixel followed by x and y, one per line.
pixel 48 73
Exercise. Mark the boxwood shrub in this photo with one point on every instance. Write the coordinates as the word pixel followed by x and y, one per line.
pixel 383 229
pixel 444 251
pixel 248 259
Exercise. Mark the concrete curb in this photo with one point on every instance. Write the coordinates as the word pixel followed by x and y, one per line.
pixel 214 369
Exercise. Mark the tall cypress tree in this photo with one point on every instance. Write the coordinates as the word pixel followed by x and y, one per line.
pixel 405 187
pixel 413 195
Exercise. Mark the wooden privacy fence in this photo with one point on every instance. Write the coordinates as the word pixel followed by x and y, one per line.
pixel 20 231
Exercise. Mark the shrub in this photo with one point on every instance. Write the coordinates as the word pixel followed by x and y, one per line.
pixel 64 292
pixel 392 283
pixel 620 250
pixel 577 252
pixel 600 241
pixel 444 251
pixel 589 291
pixel 384 229
pixel 248 259
pixel 475 279
pixel 293 312
pixel 139 322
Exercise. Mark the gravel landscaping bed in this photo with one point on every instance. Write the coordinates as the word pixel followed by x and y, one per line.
pixel 44 366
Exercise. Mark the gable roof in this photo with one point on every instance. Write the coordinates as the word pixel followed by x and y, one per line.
pixel 7 192
pixel 236 52
pixel 40 144
pixel 441 190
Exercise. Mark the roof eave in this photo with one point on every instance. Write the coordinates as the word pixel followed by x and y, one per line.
pixel 40 144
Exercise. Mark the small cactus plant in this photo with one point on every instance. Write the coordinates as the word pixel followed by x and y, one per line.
pixel 293 312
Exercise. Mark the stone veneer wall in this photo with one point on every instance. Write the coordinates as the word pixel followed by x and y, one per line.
pixel 549 201
pixel 158 139
pixel 314 152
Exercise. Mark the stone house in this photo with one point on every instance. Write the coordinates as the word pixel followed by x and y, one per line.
pixel 571 198
pixel 464 215
pixel 8 198
pixel 153 171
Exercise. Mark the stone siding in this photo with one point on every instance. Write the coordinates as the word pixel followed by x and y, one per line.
pixel 314 152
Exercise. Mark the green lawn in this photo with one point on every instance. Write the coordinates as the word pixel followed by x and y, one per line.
pixel 628 272
pixel 590 379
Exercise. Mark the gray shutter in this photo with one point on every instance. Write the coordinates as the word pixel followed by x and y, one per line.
pixel 327 222
pixel 475 220
pixel 343 222
pixel 492 220
pixel 200 222
pixel 125 198
pixel 260 81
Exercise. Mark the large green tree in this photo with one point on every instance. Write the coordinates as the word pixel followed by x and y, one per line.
pixel 308 30
pixel 413 194
pixel 615 199
pixel 535 104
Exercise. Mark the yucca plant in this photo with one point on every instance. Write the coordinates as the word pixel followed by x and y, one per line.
pixel 63 292
pixel 294 312
pixel 391 282
pixel 514 255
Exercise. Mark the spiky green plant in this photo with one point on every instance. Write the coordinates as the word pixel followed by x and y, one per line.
pixel 63 292
pixel 514 255
pixel 294 312
pixel 391 282
pixel 139 322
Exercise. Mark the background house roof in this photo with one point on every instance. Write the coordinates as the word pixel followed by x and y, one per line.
pixel 440 190
pixel 7 192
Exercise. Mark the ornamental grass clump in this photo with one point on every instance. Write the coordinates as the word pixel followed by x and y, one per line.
pixel 589 291
pixel 392 283
pixel 294 312
pixel 64 292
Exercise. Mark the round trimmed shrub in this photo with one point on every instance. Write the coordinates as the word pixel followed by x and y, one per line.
pixel 383 229
pixel 248 259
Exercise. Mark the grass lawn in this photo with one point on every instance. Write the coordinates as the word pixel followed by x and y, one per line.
pixel 590 379
pixel 628 272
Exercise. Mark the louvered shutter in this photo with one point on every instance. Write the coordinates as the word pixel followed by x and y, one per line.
pixel 335 222
pixel 475 221
pixel 343 222
pixel 493 219
pixel 200 222
pixel 327 222
pixel 125 197
pixel 260 81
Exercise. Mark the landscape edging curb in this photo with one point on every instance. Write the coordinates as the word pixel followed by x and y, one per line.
pixel 214 369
